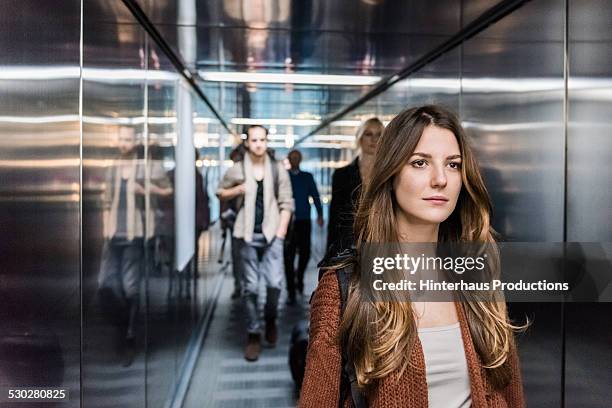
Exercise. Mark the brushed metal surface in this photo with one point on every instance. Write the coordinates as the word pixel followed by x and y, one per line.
pixel 514 113
pixel 589 212
pixel 589 198
pixel 39 196
pixel 512 107
pixel 164 302
pixel 113 110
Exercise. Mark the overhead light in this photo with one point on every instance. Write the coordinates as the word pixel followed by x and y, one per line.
pixel 136 120
pixel 89 74
pixel 39 119
pixel 123 75
pixel 199 120
pixel 319 145
pixel 38 73
pixel 509 127
pixel 283 78
pixel 277 122
pixel 349 123
pixel 354 123
pixel 295 122
pixel 511 85
pixel 316 145
pixel 334 138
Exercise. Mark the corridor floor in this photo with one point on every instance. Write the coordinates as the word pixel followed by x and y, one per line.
pixel 224 379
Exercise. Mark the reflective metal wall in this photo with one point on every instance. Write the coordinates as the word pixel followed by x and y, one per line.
pixel 65 302
pixel 114 301
pixel 140 305
pixel 589 199
pixel 512 96
pixel 91 298
pixel 40 196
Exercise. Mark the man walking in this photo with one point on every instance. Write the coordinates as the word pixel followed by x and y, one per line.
pixel 265 208
pixel 298 238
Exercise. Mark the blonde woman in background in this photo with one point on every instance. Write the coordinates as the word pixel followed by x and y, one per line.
pixel 346 187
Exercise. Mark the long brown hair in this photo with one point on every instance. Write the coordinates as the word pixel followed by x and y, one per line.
pixel 379 336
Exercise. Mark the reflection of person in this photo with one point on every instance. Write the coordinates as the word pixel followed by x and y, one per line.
pixel 261 225
pixel 124 232
pixel 425 186
pixel 122 256
pixel 298 237
pixel 346 187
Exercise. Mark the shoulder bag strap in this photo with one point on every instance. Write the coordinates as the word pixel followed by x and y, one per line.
pixel 349 377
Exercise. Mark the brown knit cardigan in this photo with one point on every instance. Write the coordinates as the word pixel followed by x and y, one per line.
pixel 321 386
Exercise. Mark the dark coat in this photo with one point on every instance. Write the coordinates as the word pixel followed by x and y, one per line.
pixel 202 203
pixel 346 187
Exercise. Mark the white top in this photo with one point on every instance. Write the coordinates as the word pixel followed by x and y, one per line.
pixel 448 380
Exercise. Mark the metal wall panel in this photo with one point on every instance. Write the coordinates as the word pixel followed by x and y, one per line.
pixel 512 107
pixel 514 112
pixel 39 196
pixel 589 198
pixel 177 298
pixel 165 286
pixel 589 212
pixel 113 286
pixel 437 83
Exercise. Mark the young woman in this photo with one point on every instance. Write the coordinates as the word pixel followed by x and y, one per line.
pixel 346 187
pixel 425 186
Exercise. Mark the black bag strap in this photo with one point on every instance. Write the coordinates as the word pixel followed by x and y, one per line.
pixel 348 380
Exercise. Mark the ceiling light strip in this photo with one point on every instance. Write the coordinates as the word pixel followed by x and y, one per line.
pixel 284 78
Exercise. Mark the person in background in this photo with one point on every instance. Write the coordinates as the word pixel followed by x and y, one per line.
pixel 298 236
pixel 346 187
pixel 264 211
pixel 228 210
pixel 202 208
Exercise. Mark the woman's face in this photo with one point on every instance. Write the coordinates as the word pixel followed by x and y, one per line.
pixel 369 139
pixel 428 186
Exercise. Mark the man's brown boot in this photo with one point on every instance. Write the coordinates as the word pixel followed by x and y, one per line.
pixel 271 332
pixel 253 347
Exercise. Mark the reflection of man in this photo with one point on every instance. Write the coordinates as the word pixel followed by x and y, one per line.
pixel 261 225
pixel 124 232
pixel 298 239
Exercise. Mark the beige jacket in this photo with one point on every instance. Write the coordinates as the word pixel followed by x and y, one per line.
pixel 134 204
pixel 245 219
